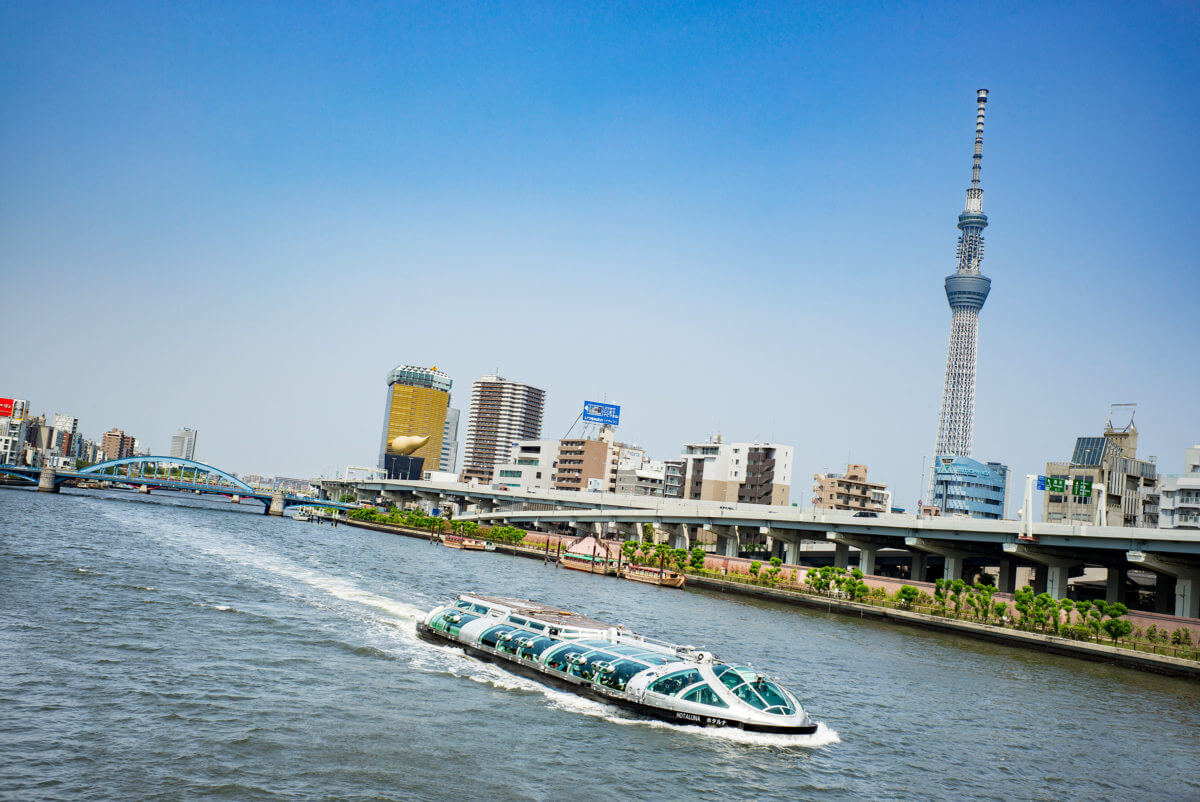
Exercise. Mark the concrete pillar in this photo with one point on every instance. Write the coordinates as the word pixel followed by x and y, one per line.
pixel 866 559
pixel 1164 593
pixel 1056 581
pixel 46 479
pixel 731 545
pixel 1187 596
pixel 1006 579
pixel 276 507
pixel 953 569
pixel 144 490
pixel 1114 585
pixel 1039 580
pixel 791 550
pixel 917 571
pixel 841 555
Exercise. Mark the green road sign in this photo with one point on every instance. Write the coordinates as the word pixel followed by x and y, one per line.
pixel 1056 485
pixel 1081 488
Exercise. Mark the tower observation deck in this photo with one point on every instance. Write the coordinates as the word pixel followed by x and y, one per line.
pixel 966 291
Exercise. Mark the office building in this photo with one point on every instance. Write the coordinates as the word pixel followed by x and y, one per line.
pixel 530 466
pixel 966 487
pixel 746 473
pixel 415 406
pixel 449 459
pixel 1179 507
pixel 966 291
pixel 117 445
pixel 183 444
pixel 502 412
pixel 1130 485
pixel 849 491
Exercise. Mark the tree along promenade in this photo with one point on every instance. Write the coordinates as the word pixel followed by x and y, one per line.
pixel 1025 619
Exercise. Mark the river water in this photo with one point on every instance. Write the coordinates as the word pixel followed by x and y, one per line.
pixel 166 647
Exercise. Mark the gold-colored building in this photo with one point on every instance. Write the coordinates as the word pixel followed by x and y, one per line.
pixel 416 403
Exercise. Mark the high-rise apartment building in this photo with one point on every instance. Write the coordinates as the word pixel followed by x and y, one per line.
pixel 415 406
pixel 849 491
pixel 65 439
pixel 117 445
pixel 1180 495
pixel 746 473
pixel 183 444
pixel 450 441
pixel 502 412
pixel 1130 493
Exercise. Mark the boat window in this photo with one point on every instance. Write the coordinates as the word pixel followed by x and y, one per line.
pixel 462 604
pixel 451 621
pixel 705 695
pixel 481 609
pixel 672 684
pixel 560 659
pixel 595 664
pixel 490 636
pixel 518 620
pixel 536 625
pixel 774 698
pixel 621 672
pixel 747 695
pixel 511 642
pixel 537 645
pixel 727 675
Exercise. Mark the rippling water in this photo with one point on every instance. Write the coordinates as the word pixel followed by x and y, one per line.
pixel 169 647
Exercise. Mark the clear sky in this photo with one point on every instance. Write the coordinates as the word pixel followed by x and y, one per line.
pixel 239 216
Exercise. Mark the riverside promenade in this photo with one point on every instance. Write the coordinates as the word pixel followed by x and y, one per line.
pixel 737 580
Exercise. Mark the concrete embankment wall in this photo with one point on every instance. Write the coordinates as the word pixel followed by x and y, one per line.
pixel 1029 640
pixel 1142 619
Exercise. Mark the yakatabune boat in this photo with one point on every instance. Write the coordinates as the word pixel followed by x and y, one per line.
pixel 674 683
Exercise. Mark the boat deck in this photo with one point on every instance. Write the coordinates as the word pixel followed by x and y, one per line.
pixel 551 615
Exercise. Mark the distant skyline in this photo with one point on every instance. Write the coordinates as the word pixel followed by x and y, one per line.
pixel 722 218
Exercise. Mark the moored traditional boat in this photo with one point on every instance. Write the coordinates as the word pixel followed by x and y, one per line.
pixel 678 684
pixel 653 574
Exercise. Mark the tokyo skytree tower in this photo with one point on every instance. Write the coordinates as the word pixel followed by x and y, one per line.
pixel 966 290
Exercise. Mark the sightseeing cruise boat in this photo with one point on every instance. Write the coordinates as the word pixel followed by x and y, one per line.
pixel 467 543
pixel 660 680
pixel 653 574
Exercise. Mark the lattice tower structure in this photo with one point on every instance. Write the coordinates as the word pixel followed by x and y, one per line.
pixel 966 290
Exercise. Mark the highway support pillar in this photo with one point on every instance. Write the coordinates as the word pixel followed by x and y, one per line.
pixel 841 554
pixel 276 507
pixel 1114 584
pixel 916 571
pixel 732 542
pixel 1006 578
pixel 1185 573
pixel 1053 567
pixel 46 477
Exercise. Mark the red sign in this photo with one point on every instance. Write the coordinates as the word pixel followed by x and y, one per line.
pixel 6 407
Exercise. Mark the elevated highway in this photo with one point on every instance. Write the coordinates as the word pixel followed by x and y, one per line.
pixel 1056 551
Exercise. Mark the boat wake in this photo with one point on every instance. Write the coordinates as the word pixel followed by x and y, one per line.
pixel 394 632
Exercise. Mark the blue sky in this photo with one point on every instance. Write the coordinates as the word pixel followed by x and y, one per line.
pixel 239 217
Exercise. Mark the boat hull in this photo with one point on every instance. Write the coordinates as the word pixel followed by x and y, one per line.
pixel 600 693
pixel 655 579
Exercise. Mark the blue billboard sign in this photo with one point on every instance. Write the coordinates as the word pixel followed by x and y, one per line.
pixel 608 414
